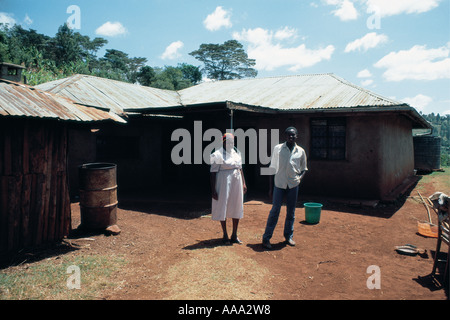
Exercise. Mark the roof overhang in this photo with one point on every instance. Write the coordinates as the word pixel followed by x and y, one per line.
pixel 418 122
pixel 180 109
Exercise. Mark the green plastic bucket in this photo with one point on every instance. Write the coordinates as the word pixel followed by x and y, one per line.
pixel 312 212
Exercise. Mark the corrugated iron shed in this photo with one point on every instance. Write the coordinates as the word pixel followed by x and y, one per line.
pixel 110 94
pixel 20 100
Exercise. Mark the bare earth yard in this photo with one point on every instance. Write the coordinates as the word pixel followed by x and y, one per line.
pixel 174 251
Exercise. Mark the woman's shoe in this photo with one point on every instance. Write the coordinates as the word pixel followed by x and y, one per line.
pixel 236 240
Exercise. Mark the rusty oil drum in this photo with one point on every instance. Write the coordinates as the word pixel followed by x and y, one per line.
pixel 98 195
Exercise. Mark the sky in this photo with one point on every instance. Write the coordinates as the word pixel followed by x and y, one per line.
pixel 399 49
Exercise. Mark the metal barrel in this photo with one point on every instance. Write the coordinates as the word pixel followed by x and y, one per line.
pixel 98 195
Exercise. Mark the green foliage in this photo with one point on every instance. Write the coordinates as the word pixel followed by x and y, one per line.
pixel 225 61
pixel 169 78
pixel 441 128
pixel 68 52
pixel 191 72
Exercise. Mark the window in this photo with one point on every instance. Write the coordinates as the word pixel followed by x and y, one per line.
pixel 328 138
pixel 12 72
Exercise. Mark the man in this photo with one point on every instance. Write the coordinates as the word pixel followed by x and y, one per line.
pixel 288 166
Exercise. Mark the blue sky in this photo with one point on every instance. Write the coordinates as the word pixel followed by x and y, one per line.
pixel 397 48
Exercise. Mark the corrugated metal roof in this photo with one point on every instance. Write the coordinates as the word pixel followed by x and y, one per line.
pixel 20 100
pixel 110 94
pixel 300 93
pixel 315 91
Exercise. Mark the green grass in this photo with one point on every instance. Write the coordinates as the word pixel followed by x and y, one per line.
pixel 48 279
pixel 439 179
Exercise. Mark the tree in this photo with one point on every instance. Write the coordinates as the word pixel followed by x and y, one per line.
pixel 120 66
pixel 66 46
pixel 225 61
pixel 169 78
pixel 190 72
pixel 4 55
pixel 174 76
pixel 146 76
pixel 68 52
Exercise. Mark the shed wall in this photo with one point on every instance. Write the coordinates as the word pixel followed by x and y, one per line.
pixel 34 198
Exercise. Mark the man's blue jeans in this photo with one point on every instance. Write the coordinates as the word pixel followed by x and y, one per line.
pixel 291 201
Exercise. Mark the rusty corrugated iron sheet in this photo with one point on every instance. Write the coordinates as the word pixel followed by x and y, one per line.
pixel 315 91
pixel 20 100
pixel 110 94
pixel 300 93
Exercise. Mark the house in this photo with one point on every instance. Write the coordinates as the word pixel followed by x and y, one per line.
pixel 34 190
pixel 359 144
pixel 135 147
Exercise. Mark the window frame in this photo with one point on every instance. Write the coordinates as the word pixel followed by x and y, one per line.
pixel 328 139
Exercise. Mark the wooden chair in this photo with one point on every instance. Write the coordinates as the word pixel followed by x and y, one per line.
pixel 443 236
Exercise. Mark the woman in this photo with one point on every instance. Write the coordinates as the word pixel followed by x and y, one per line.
pixel 227 187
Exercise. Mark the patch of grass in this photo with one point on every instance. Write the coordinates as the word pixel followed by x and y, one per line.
pixel 218 273
pixel 439 179
pixel 50 279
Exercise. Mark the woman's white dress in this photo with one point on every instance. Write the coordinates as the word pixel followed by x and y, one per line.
pixel 229 185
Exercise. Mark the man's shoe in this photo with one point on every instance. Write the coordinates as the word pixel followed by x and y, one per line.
pixel 290 242
pixel 267 245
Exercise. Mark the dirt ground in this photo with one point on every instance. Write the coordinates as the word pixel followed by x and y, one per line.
pixel 174 251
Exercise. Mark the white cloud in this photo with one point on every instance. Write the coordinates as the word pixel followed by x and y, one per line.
pixel 345 9
pixel 265 47
pixel 218 19
pixel 111 29
pixel 7 18
pixel 171 51
pixel 390 8
pixel 364 74
pixel 286 33
pixel 369 41
pixel 27 20
pixel 419 102
pixel 417 63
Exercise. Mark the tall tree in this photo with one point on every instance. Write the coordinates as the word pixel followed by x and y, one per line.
pixel 117 59
pixel 66 46
pixel 225 61
pixel 122 67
